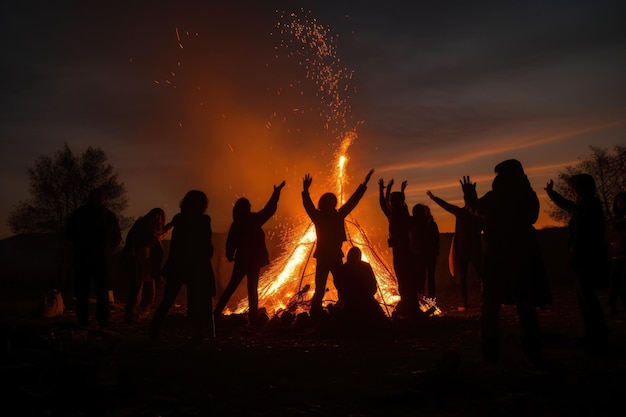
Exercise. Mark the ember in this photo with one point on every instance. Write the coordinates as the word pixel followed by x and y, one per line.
pixel 288 283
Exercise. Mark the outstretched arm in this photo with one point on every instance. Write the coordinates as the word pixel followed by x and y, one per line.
pixel 279 187
pixel 450 208
pixel 383 201
pixel 271 206
pixel 356 197
pixel 562 202
pixel 309 207
pixel 388 192
pixel 368 176
pixel 306 182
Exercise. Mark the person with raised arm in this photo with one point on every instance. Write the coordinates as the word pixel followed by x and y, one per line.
pixel 588 255
pixel 330 233
pixel 246 247
pixel 514 272
pixel 394 207
pixel 466 248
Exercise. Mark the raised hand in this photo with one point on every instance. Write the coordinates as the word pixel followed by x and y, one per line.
pixel 368 176
pixel 429 194
pixel 403 186
pixel 467 185
pixel 280 186
pixel 306 182
pixel 381 184
pixel 549 186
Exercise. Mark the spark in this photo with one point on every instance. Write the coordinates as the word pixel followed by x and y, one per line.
pixel 288 283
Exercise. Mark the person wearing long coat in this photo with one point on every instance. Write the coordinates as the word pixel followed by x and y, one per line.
pixel 246 247
pixel 514 272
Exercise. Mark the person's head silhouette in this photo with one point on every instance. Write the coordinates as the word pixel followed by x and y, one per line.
pixel 583 185
pixel 328 202
pixel 396 199
pixel 419 213
pixel 96 197
pixel 241 208
pixel 194 202
pixel 354 255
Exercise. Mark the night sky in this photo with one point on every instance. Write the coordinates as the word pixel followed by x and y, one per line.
pixel 188 95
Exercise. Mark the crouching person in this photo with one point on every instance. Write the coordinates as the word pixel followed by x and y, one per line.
pixel 357 310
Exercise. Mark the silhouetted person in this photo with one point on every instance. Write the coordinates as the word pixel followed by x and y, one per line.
pixel 245 246
pixel 395 209
pixel 617 253
pixel 357 308
pixel 418 247
pixel 95 233
pixel 143 256
pixel 432 250
pixel 587 254
pixel 189 263
pixel 513 272
pixel 425 246
pixel 331 233
pixel 467 243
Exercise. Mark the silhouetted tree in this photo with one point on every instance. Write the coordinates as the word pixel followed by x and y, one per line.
pixel 608 169
pixel 60 184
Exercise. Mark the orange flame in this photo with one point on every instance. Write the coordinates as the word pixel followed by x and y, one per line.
pixel 288 283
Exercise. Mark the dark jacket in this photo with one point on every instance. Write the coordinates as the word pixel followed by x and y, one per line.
pixel 245 243
pixel 513 265
pixel 191 249
pixel 94 233
pixel 399 224
pixel 587 239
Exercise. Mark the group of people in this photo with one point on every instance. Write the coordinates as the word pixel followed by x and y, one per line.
pixel 414 242
pixel 494 234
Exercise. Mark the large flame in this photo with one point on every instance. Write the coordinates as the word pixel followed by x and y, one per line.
pixel 288 283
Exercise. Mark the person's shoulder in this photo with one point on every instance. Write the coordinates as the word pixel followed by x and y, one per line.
pixel 206 220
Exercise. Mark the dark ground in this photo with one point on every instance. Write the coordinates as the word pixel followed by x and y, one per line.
pixel 51 368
